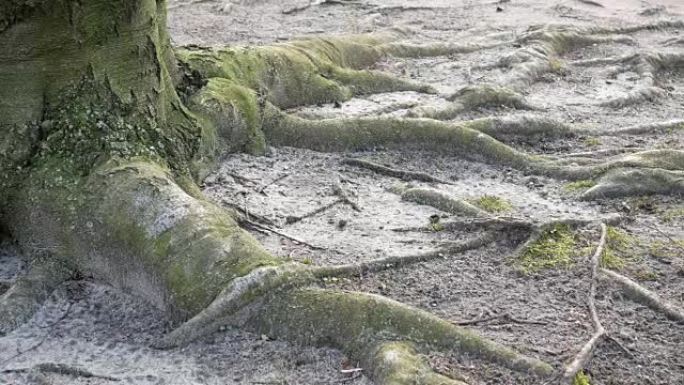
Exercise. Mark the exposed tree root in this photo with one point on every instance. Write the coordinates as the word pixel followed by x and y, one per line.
pixel 636 182
pixel 393 172
pixel 502 223
pixel 440 201
pixel 260 282
pixel 641 129
pixel 63 369
pixel 648 66
pixel 584 355
pixel 27 294
pixel 472 98
pixel 355 322
pixel 644 296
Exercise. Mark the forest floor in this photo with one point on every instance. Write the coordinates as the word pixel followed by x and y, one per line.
pixel 541 313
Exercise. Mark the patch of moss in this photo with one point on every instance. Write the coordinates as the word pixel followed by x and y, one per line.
pixel 646 274
pixel 307 261
pixel 673 214
pixel 581 379
pixel 579 185
pixel 492 204
pixel 556 65
pixel 592 141
pixel 667 250
pixel 555 248
pixel 619 249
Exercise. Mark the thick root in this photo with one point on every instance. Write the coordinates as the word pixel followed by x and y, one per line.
pixel 368 133
pixel 27 294
pixel 636 182
pixel 130 225
pixel 260 282
pixel 310 71
pixel 644 296
pixel 440 201
pixel 356 322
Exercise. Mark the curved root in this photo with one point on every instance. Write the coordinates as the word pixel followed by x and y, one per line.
pixel 472 98
pixel 440 201
pixel 636 182
pixel 355 322
pixel 260 282
pixel 643 296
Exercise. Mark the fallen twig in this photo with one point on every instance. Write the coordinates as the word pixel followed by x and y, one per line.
pixel 261 189
pixel 396 173
pixel 280 233
pixel 343 197
pixel 590 2
pixel 504 318
pixel 64 369
pixel 248 214
pixel 584 355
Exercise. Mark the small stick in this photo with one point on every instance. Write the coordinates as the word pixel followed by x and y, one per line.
pixel 248 214
pixel 506 318
pixel 280 233
pixel 585 353
pixel 343 198
pixel 396 173
pixel 261 189
pixel 51 367
pixel 590 2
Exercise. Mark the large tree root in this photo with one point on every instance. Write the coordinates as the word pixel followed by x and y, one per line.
pixel 356 321
pixel 644 296
pixel 27 294
pixel 245 290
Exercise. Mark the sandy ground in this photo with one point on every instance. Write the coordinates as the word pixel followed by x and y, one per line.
pixel 107 332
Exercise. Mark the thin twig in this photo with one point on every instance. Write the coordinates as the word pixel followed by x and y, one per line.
pixel 343 198
pixel 261 189
pixel 396 173
pixel 64 369
pixel 248 214
pixel 584 355
pixel 381 264
pixel 504 318
pixel 280 233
